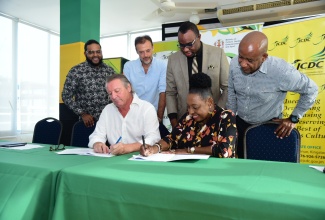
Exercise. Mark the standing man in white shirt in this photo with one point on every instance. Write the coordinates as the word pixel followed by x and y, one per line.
pixel 123 122
pixel 148 77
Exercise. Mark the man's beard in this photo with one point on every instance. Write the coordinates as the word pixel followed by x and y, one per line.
pixel 94 64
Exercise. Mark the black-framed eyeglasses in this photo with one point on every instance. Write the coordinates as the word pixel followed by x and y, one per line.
pixel 57 147
pixel 91 52
pixel 188 45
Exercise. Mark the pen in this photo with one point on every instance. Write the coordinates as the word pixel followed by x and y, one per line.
pixel 143 142
pixel 118 140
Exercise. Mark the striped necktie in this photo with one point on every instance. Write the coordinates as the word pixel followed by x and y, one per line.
pixel 194 65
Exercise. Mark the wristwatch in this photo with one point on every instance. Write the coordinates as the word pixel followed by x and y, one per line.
pixel 294 119
pixel 192 150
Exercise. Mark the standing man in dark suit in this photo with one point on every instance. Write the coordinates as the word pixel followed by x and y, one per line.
pixel 193 57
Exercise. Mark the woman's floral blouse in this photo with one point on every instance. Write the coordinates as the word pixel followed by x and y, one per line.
pixel 219 132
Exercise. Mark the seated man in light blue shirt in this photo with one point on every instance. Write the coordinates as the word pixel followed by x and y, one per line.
pixel 258 85
pixel 148 77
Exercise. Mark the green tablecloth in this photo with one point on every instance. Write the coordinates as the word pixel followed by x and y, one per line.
pixel 207 189
pixel 28 181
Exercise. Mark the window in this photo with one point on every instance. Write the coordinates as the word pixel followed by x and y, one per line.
pixel 29 72
pixel 116 46
pixel 123 45
pixel 8 105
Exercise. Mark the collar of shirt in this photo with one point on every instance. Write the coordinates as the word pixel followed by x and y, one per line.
pixel 263 67
pixel 136 99
pixel 140 63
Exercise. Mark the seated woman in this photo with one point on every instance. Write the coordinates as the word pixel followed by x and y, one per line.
pixel 204 129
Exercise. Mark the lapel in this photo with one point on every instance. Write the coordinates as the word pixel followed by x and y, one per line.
pixel 205 58
pixel 184 69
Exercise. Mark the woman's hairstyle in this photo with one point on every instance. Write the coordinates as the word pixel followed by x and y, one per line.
pixel 121 77
pixel 200 83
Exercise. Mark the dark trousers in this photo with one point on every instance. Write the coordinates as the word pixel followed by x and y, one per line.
pixel 163 130
pixel 241 128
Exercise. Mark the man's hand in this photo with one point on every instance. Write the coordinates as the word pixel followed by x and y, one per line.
pixel 118 149
pixel 100 147
pixel 285 127
pixel 88 120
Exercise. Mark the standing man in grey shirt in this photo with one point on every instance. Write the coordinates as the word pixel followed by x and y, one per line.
pixel 257 87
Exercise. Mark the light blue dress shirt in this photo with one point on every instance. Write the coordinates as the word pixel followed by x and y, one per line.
pixel 259 97
pixel 148 85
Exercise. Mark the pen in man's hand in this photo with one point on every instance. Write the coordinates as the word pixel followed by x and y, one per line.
pixel 143 142
pixel 118 140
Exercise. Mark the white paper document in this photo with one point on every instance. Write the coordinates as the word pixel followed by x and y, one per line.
pixel 84 152
pixel 169 157
pixel 319 168
pixel 26 147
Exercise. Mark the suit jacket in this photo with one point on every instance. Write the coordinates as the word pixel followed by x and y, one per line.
pixel 214 64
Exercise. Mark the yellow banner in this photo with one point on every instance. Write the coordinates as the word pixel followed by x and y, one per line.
pixel 303 45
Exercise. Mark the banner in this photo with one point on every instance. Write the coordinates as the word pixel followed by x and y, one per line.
pixel 228 38
pixel 303 45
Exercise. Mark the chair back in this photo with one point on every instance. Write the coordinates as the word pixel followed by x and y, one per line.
pixel 260 143
pixel 80 134
pixel 47 131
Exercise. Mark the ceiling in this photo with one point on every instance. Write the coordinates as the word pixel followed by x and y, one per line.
pixel 117 16
pixel 121 16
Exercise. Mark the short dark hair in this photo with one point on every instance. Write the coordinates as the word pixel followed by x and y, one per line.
pixel 121 77
pixel 91 41
pixel 200 83
pixel 142 40
pixel 186 26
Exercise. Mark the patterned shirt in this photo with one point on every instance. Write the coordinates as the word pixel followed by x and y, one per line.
pixel 219 132
pixel 84 89
pixel 259 97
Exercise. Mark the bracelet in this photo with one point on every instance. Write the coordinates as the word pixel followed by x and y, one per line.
pixel 159 147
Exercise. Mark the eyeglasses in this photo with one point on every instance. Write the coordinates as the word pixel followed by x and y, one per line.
pixel 91 52
pixel 188 45
pixel 57 147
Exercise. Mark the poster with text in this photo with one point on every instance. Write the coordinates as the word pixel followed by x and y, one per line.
pixel 302 44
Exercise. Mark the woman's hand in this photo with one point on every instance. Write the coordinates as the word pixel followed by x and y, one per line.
pixel 179 151
pixel 148 150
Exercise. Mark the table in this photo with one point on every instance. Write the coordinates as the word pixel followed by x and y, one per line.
pixel 206 189
pixel 28 181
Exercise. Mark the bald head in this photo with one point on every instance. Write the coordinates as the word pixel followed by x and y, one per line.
pixel 252 51
pixel 254 42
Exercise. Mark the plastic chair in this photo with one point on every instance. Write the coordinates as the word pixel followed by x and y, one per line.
pixel 260 143
pixel 47 131
pixel 80 134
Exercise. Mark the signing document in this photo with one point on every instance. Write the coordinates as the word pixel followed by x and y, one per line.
pixel 84 152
